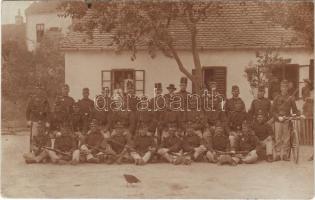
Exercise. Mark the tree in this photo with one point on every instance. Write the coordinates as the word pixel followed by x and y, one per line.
pixel 146 24
pixel 260 73
pixel 297 15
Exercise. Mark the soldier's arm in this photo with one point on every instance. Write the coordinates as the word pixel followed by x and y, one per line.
pixel 294 107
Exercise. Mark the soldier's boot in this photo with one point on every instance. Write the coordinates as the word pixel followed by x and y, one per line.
pixel 187 161
pixel 269 158
pixel 29 158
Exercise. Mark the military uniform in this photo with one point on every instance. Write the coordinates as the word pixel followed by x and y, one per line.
pixel 93 144
pixel 265 135
pixel 171 146
pixel 282 106
pixel 66 103
pixel 76 119
pixel 235 110
pixel 262 104
pixel 144 144
pixel 86 106
pixel 183 94
pixel 38 110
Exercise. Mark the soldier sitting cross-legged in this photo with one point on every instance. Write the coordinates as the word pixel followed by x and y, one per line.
pixel 144 145
pixel 170 147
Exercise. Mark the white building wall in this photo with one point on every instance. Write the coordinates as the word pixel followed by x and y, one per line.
pixel 49 20
pixel 83 68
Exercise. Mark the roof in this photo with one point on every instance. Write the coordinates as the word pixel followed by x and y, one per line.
pixel 45 6
pixel 233 28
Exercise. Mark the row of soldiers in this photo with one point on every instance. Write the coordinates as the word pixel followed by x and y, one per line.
pixel 78 132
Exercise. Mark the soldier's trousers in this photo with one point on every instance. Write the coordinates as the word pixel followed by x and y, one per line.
pixel 54 157
pixel 283 134
pixel 34 128
pixel 233 138
pixel 146 157
pixel 268 144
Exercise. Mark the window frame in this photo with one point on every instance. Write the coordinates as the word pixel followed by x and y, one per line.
pixel 204 68
pixel 40 31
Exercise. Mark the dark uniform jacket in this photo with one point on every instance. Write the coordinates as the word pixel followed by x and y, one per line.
pixel 169 116
pixel 58 120
pixel 173 143
pixel 65 143
pixel 38 109
pixel 248 142
pixel 262 131
pixel 146 118
pixel 236 113
pixel 86 105
pixel 66 103
pixel 282 106
pixel 76 121
pixel 141 144
pixel 262 104
pixel 184 97
pixel 190 142
pixel 119 141
pixel 198 118
pixel 94 140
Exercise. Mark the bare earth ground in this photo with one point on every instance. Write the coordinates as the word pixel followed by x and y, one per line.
pixel 200 180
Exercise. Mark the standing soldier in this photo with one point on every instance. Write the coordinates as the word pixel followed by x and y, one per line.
pixel 235 110
pixel 65 101
pixel 86 107
pixel 157 107
pixel 281 107
pixel 261 103
pixel 37 110
pixel 213 107
pixel 183 93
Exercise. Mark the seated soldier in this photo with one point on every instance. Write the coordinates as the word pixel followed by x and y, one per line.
pixel 264 132
pixel 217 143
pixel 192 143
pixel 92 146
pixel 38 153
pixel 119 142
pixel 246 145
pixel 144 145
pixel 170 147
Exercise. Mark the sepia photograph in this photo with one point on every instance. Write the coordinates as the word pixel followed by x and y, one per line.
pixel 157 99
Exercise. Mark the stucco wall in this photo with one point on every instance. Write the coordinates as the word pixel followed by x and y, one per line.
pixel 83 68
pixel 49 20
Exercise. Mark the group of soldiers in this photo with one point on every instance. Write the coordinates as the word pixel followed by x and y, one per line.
pixel 78 132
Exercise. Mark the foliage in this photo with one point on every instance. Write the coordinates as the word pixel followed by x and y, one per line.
pixel 22 70
pixel 260 73
pixel 145 25
pixel 298 15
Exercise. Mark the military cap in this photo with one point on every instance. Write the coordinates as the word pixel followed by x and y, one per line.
pixel 171 87
pixel 235 87
pixel 261 88
pixel 86 89
pixel 284 82
pixel 183 80
pixel 158 86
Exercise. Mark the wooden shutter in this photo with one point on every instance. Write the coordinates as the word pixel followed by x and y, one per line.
pixel 220 78
pixel 311 71
pixel 106 79
pixel 139 82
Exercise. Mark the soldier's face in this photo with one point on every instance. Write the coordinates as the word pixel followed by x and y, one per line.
pixel 260 119
pixel 171 91
pixel 119 130
pixel 190 130
pixel 93 128
pixel 85 94
pixel 183 86
pixel 158 92
pixel 284 89
pixel 261 94
pixel 245 129
pixel 219 130
pixel 235 92
pixel 65 91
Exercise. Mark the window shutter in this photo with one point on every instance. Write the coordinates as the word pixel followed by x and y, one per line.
pixel 106 79
pixel 220 78
pixel 139 82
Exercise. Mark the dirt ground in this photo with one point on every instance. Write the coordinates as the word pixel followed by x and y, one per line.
pixel 200 180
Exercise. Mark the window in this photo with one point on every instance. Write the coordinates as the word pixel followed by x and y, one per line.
pixel 120 79
pixel 40 28
pixel 217 74
pixel 289 72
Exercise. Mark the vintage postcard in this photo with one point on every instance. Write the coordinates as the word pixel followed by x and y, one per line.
pixel 163 99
